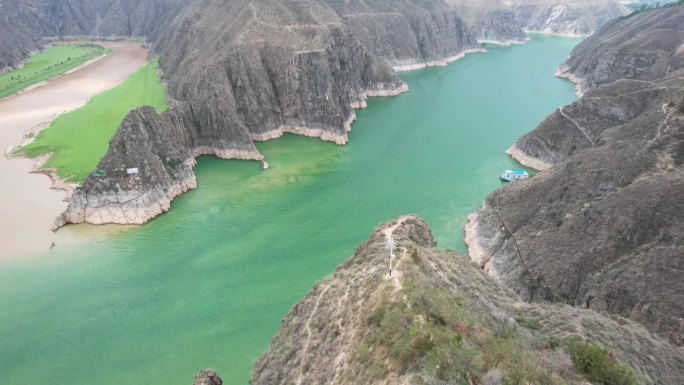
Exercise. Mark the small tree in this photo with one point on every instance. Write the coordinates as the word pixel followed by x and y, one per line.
pixel 681 106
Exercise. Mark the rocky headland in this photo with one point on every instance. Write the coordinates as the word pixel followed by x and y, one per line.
pixel 601 227
pixel 440 319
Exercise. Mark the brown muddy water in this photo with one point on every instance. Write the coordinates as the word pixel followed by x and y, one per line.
pixel 28 203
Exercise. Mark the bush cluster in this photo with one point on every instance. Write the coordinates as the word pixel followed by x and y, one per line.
pixel 598 365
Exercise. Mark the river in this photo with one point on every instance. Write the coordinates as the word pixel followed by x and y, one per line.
pixel 206 285
pixel 28 206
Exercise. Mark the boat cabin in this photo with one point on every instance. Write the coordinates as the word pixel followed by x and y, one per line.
pixel 514 175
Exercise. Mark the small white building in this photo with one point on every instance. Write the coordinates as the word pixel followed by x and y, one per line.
pixel 132 171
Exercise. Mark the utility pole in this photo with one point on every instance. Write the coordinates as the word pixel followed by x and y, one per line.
pixel 391 245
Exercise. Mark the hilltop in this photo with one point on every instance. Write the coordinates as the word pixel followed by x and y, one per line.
pixel 440 319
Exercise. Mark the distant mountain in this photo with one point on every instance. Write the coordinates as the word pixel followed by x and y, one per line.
pixel 602 226
pixel 499 20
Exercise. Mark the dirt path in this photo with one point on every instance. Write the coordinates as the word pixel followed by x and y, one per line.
pixel 396 272
pixel 580 128
pixel 28 206
pixel 308 335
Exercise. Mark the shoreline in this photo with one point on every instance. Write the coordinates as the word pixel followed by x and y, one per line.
pixel 503 43
pixel 436 63
pixel 559 34
pixel 46 81
pixel 160 197
pixel 29 200
pixel 526 160
pixel 476 252
pixel 564 73
pixel 81 215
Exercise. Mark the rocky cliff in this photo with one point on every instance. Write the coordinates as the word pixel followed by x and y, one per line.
pixel 491 20
pixel 646 46
pixel 17 38
pixel 247 71
pixel 439 319
pixel 570 17
pixel 507 21
pixel 602 226
pixel 25 24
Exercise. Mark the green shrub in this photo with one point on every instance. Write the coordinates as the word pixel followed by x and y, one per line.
pixel 530 324
pixel 598 365
pixel 558 220
pixel 681 106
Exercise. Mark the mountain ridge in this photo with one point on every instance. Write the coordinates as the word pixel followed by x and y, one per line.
pixel 599 227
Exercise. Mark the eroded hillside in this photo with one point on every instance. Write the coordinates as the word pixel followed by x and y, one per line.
pixel 602 226
pixel 440 319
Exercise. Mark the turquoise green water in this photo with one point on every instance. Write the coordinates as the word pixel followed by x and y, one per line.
pixel 207 284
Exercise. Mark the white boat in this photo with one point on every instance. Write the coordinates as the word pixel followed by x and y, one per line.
pixel 514 175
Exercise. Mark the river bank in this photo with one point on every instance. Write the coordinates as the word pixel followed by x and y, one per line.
pixel 29 202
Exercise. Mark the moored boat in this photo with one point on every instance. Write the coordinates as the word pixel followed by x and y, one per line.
pixel 514 175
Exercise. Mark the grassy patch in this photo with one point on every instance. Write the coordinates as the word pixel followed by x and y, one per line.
pixel 598 365
pixel 54 60
pixel 528 323
pixel 79 139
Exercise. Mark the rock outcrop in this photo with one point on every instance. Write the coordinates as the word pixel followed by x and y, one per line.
pixel 601 227
pixel 439 319
pixel 207 377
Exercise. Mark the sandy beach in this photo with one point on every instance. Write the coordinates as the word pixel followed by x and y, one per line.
pixel 28 204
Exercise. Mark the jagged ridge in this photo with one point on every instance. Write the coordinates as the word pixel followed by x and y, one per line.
pixel 437 319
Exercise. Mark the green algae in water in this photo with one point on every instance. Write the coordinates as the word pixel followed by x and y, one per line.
pixel 206 285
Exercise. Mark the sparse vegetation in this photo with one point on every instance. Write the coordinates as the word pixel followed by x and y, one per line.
pixel 528 323
pixel 172 163
pixel 681 106
pixel 54 60
pixel 557 219
pixel 440 334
